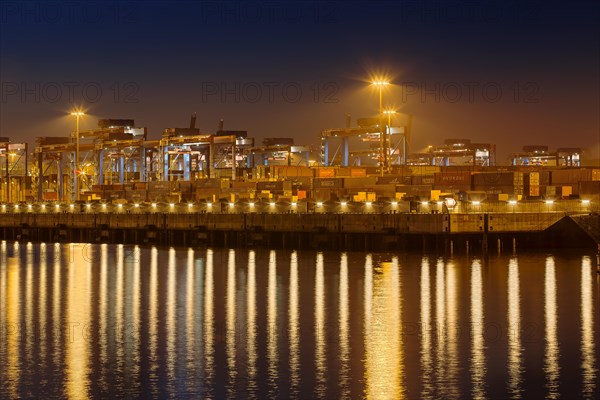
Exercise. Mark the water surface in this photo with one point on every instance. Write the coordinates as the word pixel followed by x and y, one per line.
pixel 79 321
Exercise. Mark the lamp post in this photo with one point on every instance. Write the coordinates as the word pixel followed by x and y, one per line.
pixel 77 115
pixel 380 84
pixel 389 137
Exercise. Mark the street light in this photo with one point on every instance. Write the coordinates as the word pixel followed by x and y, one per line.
pixel 381 84
pixel 389 138
pixel 77 114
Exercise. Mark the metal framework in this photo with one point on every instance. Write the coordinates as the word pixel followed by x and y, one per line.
pixel 395 147
pixel 13 167
pixel 278 155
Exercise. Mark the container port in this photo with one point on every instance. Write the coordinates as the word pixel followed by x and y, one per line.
pixel 116 173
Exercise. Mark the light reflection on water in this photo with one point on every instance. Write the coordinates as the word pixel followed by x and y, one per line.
pixel 514 331
pixel 81 321
pixel 552 366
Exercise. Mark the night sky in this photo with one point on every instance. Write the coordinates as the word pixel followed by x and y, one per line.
pixel 512 73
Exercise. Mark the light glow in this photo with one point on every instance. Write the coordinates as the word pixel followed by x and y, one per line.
pixel 380 83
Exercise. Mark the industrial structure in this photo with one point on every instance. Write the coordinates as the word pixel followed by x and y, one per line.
pixel 362 145
pixel 117 163
pixel 539 155
pixel 279 151
pixel 456 152
pixel 15 181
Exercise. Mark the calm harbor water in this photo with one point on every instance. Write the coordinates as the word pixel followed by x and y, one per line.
pixel 109 321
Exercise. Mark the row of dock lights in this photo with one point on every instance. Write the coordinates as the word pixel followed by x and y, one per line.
pixel 251 205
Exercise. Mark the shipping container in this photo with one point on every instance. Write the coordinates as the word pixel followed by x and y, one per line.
pixel 162 186
pixel 453 188
pixel 302 183
pixel 360 182
pixel 422 180
pixel 566 191
pixel 291 171
pixel 221 172
pixel 207 193
pixel 50 196
pixel 499 178
pixel 274 185
pixel 243 185
pixel 589 188
pixel 358 172
pixel 185 186
pixel 507 189
pixel 452 178
pixel 328 183
pixel 322 194
pixel 208 183
pixel 325 172
pixel 533 191
pixel 570 176
pixel 342 172
pixel 396 180
pixel 424 169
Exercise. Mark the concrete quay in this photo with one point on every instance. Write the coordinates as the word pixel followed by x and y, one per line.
pixel 454 232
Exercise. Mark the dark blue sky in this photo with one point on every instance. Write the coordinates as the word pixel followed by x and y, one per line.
pixel 510 73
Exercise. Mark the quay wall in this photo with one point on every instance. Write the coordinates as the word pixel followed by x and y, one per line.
pixel 391 231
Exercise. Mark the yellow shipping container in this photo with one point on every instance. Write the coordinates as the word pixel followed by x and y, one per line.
pixel 567 191
pixel 358 172
pixel 371 196
pixel 425 169
pixel 325 172
pixel 435 194
pixel 503 197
